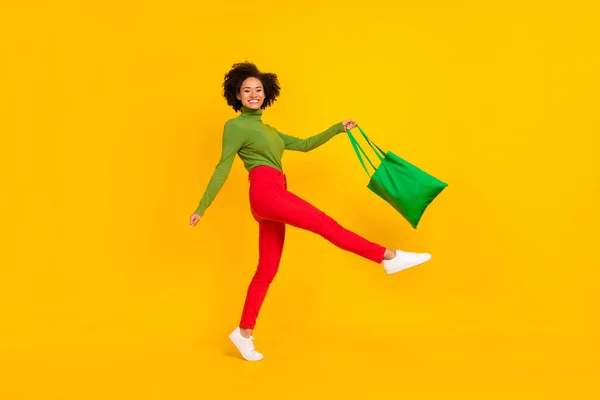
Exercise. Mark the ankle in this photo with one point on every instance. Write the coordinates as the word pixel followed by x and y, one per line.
pixel 246 332
pixel 389 254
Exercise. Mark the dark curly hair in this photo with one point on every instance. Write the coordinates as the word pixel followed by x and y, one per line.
pixel 238 74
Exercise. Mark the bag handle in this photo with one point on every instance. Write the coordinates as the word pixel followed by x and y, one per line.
pixel 371 143
pixel 356 146
pixel 358 149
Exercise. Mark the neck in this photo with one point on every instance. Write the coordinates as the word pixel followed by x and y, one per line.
pixel 252 114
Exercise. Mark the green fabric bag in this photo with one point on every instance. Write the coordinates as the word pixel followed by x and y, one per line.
pixel 404 186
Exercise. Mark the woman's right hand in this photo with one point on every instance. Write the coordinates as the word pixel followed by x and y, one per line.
pixel 194 219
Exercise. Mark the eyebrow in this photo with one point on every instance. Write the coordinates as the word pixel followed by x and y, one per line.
pixel 248 87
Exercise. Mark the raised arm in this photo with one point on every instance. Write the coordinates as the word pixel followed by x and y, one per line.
pixel 311 143
pixel 233 140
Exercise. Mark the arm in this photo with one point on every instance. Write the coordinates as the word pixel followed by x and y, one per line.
pixel 311 143
pixel 232 141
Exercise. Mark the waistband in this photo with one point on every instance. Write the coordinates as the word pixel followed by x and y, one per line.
pixel 266 172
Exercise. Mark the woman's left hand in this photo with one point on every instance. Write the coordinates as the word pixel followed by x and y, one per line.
pixel 349 124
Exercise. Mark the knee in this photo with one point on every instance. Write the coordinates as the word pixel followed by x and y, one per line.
pixel 265 274
pixel 327 224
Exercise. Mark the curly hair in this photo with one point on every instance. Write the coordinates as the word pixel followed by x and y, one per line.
pixel 238 74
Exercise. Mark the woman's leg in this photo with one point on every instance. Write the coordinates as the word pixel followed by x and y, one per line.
pixel 271 238
pixel 278 204
pixel 285 207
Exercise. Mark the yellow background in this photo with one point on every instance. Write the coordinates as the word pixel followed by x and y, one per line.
pixel 111 122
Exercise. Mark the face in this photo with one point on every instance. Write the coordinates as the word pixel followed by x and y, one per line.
pixel 252 94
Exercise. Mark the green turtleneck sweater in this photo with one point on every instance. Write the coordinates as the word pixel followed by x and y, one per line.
pixel 257 144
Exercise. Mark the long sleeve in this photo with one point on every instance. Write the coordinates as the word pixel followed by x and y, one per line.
pixel 232 141
pixel 311 143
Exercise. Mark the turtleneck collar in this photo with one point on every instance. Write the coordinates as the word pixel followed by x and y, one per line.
pixel 252 114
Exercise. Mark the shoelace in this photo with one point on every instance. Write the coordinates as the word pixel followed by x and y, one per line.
pixel 408 253
pixel 251 343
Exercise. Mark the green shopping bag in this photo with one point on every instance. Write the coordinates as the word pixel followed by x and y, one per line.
pixel 404 186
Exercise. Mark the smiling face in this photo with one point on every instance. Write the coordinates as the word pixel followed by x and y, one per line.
pixel 252 94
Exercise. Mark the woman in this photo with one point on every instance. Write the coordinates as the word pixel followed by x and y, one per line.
pixel 260 147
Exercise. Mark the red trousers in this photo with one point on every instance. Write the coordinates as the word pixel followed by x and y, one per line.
pixel 273 207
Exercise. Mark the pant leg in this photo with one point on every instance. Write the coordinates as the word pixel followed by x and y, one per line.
pixel 276 203
pixel 270 247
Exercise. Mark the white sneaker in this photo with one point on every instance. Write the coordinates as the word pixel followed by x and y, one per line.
pixel 404 260
pixel 245 345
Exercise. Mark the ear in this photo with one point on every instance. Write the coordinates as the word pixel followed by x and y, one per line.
pixel 238 96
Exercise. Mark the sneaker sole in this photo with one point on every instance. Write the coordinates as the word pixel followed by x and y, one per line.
pixel 390 272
